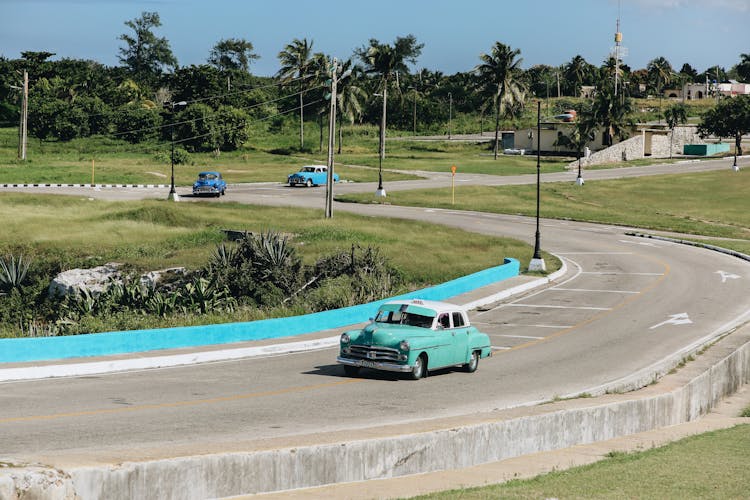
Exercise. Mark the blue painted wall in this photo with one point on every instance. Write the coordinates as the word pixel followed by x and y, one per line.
pixel 102 344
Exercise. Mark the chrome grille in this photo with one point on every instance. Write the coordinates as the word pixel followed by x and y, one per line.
pixel 375 353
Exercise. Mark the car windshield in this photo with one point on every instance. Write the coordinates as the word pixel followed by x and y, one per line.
pixel 404 318
pixel 308 169
pixel 206 177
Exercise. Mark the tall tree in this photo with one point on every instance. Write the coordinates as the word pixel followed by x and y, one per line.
pixel 499 76
pixel 660 74
pixel 674 115
pixel 296 65
pixel 386 61
pixel 742 69
pixel 612 113
pixel 690 73
pixel 576 72
pixel 145 53
pixel 729 118
pixel 232 54
pixel 350 97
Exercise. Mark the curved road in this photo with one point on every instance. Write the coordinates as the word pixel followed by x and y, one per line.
pixel 625 304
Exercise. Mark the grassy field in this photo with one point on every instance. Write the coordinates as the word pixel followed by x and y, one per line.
pixel 711 465
pixel 151 235
pixel 710 204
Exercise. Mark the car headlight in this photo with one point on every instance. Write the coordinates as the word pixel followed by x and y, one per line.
pixel 404 345
pixel 345 338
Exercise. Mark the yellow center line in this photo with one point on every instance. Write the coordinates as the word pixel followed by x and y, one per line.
pixel 176 404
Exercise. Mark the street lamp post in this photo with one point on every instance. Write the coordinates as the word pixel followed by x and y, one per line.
pixel 735 167
pixel 450 114
pixel 537 262
pixel 381 191
pixel 172 192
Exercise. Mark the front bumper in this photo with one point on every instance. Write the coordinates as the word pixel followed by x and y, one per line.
pixel 205 190
pixel 375 365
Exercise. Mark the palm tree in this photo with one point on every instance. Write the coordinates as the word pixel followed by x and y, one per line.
pixel 743 68
pixel 386 61
pixel 611 113
pixel 674 115
pixel 296 62
pixel 499 78
pixel 349 96
pixel 577 70
pixel 660 73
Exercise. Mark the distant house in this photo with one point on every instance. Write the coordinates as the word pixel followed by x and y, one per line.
pixel 588 91
pixel 707 90
pixel 550 132
pixel 693 91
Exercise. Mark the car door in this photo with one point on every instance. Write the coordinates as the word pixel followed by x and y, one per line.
pixel 460 338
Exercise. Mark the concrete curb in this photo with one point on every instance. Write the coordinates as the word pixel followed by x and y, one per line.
pixel 149 362
pixel 93 186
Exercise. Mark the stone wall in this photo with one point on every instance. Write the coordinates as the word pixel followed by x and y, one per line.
pixel 633 148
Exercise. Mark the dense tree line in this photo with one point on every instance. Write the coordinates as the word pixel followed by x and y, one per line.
pixel 136 101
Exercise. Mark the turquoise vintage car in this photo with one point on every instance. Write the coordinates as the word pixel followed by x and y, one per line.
pixel 414 336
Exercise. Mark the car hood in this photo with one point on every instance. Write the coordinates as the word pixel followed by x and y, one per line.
pixel 205 183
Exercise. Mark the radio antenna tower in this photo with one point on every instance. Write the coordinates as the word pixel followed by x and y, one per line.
pixel 618 51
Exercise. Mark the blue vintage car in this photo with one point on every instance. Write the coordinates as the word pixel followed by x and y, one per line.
pixel 413 337
pixel 311 175
pixel 209 183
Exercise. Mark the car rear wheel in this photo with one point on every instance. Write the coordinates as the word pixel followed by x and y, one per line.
pixel 308 183
pixel 420 368
pixel 351 371
pixel 473 363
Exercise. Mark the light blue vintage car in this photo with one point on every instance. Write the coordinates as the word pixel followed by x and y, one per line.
pixel 414 337
pixel 311 175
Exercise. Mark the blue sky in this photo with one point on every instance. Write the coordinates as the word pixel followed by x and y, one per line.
pixel 454 33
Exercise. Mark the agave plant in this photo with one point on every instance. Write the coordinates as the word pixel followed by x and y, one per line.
pixel 13 272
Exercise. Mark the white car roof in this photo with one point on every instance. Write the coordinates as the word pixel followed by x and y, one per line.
pixel 438 306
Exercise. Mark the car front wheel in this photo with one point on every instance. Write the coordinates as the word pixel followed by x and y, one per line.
pixel 308 183
pixel 473 363
pixel 420 368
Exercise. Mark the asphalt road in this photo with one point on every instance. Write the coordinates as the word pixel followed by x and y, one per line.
pixel 625 304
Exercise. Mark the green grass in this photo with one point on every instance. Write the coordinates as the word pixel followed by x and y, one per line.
pixel 118 162
pixel 149 235
pixel 711 465
pixel 712 204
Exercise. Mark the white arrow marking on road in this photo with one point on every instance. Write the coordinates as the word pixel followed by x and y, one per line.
pixel 642 243
pixel 675 319
pixel 725 276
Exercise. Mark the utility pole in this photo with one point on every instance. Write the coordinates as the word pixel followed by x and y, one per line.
pixel 23 127
pixel 334 69
pixel 331 139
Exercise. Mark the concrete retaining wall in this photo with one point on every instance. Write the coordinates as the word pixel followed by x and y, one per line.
pixel 717 373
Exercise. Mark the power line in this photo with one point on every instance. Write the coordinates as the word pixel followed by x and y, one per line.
pixel 195 120
pixel 252 121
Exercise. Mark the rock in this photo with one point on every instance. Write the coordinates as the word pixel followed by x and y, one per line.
pixel 94 280
pixel 163 276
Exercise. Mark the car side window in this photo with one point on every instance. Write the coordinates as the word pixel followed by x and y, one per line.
pixel 444 320
pixel 458 320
